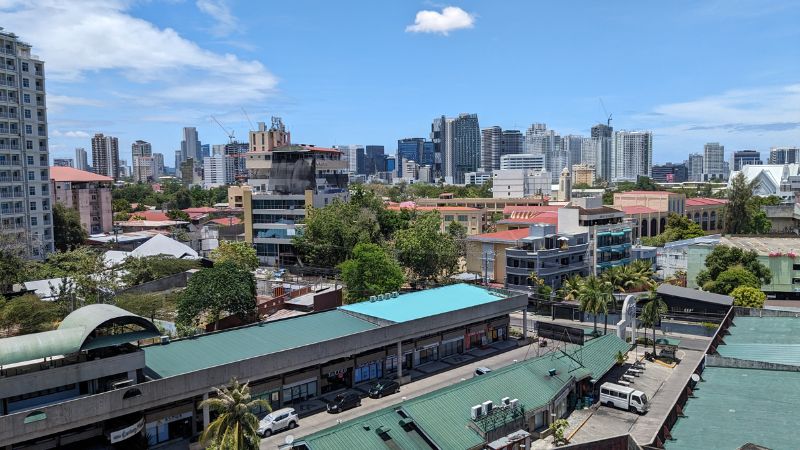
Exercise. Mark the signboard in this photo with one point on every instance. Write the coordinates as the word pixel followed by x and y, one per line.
pixel 125 433
pixel 556 332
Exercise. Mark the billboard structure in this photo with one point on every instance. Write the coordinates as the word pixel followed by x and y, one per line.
pixel 562 333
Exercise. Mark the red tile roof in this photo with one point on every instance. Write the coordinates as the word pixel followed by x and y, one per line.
pixel 705 201
pixel 149 215
pixel 227 221
pixel 405 205
pixel 508 210
pixel 59 174
pixel 550 217
pixel 201 210
pixel 502 236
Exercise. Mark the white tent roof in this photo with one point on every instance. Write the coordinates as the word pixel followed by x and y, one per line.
pixel 163 245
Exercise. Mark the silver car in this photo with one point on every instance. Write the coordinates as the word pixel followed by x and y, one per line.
pixel 275 421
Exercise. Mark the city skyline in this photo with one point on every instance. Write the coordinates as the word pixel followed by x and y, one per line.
pixel 735 84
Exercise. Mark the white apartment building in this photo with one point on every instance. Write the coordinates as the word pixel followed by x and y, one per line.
pixel 81 162
pixel 25 197
pixel 214 171
pixel 519 183
pixel 143 163
pixel 714 161
pixel 477 178
pixel 633 155
pixel 523 161
pixel 105 155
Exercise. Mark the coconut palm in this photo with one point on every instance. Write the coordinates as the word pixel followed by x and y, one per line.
pixel 651 314
pixel 543 291
pixel 236 427
pixel 570 288
pixel 594 297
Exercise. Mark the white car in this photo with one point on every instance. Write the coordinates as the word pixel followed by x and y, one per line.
pixel 277 421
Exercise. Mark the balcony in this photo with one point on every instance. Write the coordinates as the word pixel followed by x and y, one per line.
pixel 12 84
pixel 7 179
pixel 8 115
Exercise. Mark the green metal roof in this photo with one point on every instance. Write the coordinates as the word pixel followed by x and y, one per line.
pixel 362 434
pixel 75 333
pixel 736 406
pixel 767 339
pixel 444 414
pixel 214 349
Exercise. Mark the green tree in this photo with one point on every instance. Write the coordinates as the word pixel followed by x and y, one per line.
pixel 723 257
pixel 425 250
pixel 594 297
pixel 559 427
pixel 748 297
pixel 151 306
pixel 679 227
pixel 331 233
pixel 212 291
pixel 370 271
pixel 183 199
pixel 459 234
pixel 730 279
pixel 12 262
pixel 177 214
pixel 542 290
pixel 743 212
pixel 121 205
pixel 94 281
pixel 68 233
pixel 236 427
pixel 27 314
pixel 136 271
pixel 651 314
pixel 570 288
pixel 240 253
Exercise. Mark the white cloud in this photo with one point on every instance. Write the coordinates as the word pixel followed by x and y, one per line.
pixel 90 36
pixel 225 21
pixel 451 18
pixel 69 134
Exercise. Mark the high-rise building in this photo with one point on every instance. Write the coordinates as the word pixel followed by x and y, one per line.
pixel 583 174
pixel 265 139
pixel 81 162
pixel 214 171
pixel 496 142
pixel 191 147
pixel 633 155
pixel 105 155
pixel 205 150
pixel 408 149
pixel 589 151
pixel 235 154
pixel 158 165
pixel 520 183
pixel 743 158
pixel 179 159
pixel 714 161
pixel 602 135
pixel 573 147
pixel 437 136
pixel 87 193
pixel 523 161
pixel 670 173
pixel 784 155
pixel 63 162
pixel 541 141
pixel 354 154
pixel 462 147
pixel 694 167
pixel 124 169
pixel 429 155
pixel 375 160
pixel 143 163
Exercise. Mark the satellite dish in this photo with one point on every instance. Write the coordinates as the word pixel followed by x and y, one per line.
pixel 289 439
pixel 695 377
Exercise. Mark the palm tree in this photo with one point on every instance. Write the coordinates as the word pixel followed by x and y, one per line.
pixel 236 427
pixel 594 296
pixel 543 291
pixel 570 288
pixel 651 314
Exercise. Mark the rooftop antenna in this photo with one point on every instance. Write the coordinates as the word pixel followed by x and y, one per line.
pixel 227 133
pixel 608 120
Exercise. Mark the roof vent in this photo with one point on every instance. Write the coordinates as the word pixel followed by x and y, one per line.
pixel 382 430
pixel 366 426
pixel 552 372
pixel 164 340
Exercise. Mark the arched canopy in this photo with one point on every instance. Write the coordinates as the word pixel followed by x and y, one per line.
pixel 80 330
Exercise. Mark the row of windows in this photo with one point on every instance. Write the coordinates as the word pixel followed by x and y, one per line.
pixel 279 204
pixel 276 218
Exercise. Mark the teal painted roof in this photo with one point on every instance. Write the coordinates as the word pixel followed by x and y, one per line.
pixel 443 415
pixel 736 406
pixel 767 339
pixel 419 304
pixel 362 434
pixel 214 349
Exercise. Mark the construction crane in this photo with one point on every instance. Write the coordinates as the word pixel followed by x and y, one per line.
pixel 227 133
pixel 252 128
pixel 608 120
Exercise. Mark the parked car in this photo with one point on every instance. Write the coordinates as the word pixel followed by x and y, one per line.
pixel 384 387
pixel 343 402
pixel 482 370
pixel 275 421
pixel 623 397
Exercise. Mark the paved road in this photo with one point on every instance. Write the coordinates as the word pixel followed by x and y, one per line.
pixel 320 421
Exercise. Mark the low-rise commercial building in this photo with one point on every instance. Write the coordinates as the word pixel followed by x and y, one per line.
pixel 472 219
pixel 518 183
pixel 86 192
pixel 552 256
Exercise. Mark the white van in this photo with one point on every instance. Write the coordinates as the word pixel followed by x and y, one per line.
pixel 623 397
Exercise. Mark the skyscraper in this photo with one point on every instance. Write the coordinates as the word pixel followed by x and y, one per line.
pixel 714 161
pixel 541 141
pixel 354 154
pixel 25 213
pixel 573 147
pixel 408 149
pixel 465 146
pixel 179 159
pixel 205 150
pixel 743 158
pixel 158 165
pixel 694 167
pixel 602 136
pixel 143 164
pixel 105 155
pixel 437 136
pixel 496 143
pixel 236 162
pixel 633 155
pixel 81 162
pixel 375 160
pixel 784 155
pixel 191 147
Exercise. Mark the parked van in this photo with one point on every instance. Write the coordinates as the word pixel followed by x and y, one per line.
pixel 623 397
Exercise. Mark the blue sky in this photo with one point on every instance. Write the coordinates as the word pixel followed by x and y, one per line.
pixel 371 72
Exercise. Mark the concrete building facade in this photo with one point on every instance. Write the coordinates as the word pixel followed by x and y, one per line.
pixel 633 155
pixel 743 158
pixel 518 183
pixel 523 161
pixel 81 162
pixel 105 155
pixel 87 193
pixel 714 162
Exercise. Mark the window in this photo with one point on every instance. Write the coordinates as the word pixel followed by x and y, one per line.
pixel 31 176
pixel 27 113
pixel 32 190
pixel 30 160
pixel 33 206
pixel 26 98
pixel 34 221
pixel 26 82
pixel 24 67
pixel 29 145
pixel 28 129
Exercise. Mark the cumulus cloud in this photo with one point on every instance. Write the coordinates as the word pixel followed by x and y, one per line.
pixel 90 36
pixel 225 21
pixel 449 19
pixel 69 134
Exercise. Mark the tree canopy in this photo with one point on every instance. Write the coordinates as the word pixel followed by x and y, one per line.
pixel 68 233
pixel 27 314
pixel 679 227
pixel 722 258
pixel 748 297
pixel 235 427
pixel 425 250
pixel 212 291
pixel 730 279
pixel 370 271
pixel 240 253
pixel 148 268
pixel 743 214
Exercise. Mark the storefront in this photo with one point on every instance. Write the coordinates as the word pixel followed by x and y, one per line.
pixel 408 356
pixel 476 336
pixel 561 404
pixel 452 344
pixel 498 330
pixel 270 392
pixel 165 425
pixel 299 387
pixel 369 367
pixel 426 350
pixel 337 376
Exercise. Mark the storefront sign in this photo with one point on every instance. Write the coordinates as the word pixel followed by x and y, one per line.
pixel 125 433
pixel 169 419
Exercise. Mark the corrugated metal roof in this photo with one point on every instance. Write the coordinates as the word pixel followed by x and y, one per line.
pixel 768 339
pixel 362 434
pixel 429 302
pixel 214 349
pixel 694 294
pixel 736 406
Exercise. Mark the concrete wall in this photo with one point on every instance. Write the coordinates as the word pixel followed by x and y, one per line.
pixel 96 408
pixel 755 312
pixel 723 361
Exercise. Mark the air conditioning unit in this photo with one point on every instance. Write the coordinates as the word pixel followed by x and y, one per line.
pixel 505 400
pixel 164 340
pixel 513 403
pixel 121 384
pixel 475 412
pixel 395 294
pixel 486 407
pixel 372 298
